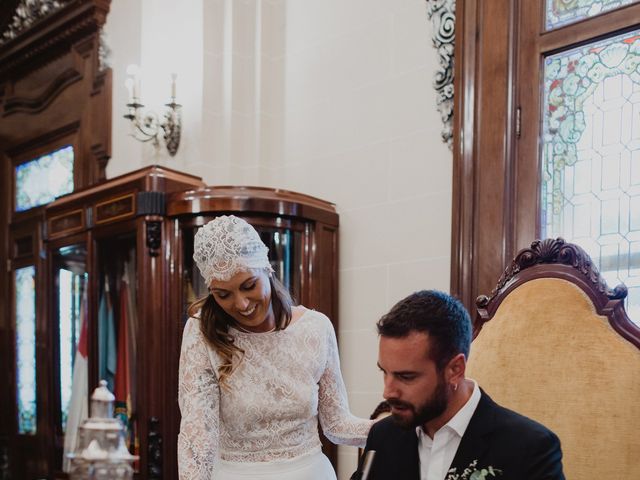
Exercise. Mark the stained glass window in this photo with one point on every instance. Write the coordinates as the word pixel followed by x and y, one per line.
pixel 563 12
pixel 25 302
pixel 591 156
pixel 41 180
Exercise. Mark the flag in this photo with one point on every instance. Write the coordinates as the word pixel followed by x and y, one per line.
pixel 78 405
pixel 106 338
pixel 122 391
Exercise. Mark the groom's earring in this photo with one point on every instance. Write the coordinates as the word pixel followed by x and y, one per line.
pixel 455 387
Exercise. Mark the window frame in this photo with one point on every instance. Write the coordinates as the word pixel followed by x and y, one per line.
pixel 499 51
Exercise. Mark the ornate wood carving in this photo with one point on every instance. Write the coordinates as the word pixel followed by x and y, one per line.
pixel 27 12
pixel 552 251
pixel 51 76
pixel 5 471
pixel 40 101
pixel 443 18
pixel 53 93
pixel 66 224
pixel 154 237
pixel 154 464
pixel 52 35
pixel 115 208
pixel 555 258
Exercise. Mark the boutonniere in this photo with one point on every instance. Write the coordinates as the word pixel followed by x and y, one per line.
pixel 473 473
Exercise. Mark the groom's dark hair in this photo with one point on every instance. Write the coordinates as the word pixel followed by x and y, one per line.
pixel 436 313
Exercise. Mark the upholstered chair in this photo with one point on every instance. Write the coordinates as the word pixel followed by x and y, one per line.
pixel 554 343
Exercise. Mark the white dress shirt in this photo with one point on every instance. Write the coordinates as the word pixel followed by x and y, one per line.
pixel 437 454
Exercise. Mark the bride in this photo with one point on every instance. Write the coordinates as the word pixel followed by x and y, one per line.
pixel 256 372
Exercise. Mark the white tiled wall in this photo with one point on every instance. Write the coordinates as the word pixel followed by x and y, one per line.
pixel 332 98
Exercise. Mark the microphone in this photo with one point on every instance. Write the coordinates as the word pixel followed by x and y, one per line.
pixel 362 473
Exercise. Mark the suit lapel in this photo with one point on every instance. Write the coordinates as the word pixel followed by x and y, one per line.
pixel 475 442
pixel 410 463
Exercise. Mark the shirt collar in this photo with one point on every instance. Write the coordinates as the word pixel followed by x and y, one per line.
pixel 460 421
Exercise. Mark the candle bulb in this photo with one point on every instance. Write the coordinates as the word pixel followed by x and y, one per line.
pixel 129 84
pixel 173 85
pixel 134 73
pixel 136 87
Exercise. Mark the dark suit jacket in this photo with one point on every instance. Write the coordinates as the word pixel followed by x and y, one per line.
pixel 521 448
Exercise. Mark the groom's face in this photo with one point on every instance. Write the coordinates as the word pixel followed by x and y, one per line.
pixel 413 386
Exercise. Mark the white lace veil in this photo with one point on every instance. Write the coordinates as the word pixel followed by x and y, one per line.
pixel 228 245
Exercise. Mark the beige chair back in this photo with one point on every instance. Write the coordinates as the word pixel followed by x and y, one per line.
pixel 554 343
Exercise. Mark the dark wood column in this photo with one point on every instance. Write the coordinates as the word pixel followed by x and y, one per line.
pixel 484 125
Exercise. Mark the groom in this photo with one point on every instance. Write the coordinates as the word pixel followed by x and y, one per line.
pixel 442 424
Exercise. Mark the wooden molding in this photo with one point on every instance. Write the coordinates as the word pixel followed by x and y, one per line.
pixel 51 36
pixel 555 258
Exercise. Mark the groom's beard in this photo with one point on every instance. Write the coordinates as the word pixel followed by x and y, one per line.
pixel 412 416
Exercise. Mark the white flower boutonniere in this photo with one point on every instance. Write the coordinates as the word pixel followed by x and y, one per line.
pixel 473 473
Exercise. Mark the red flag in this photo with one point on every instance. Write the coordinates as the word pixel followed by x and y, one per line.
pixel 123 374
pixel 78 405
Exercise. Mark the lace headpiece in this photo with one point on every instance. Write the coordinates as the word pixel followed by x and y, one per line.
pixel 228 245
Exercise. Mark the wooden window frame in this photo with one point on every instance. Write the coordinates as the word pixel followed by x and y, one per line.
pixel 496 188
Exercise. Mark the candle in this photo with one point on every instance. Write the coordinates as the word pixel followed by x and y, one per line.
pixel 129 84
pixel 134 72
pixel 136 86
pixel 173 85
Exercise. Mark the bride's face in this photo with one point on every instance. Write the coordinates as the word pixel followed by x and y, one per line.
pixel 246 297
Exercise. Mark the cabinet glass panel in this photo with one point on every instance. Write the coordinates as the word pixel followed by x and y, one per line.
pixel 590 192
pixel 285 255
pixel 70 276
pixel 25 303
pixel 118 327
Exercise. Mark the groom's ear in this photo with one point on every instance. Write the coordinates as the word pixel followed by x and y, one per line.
pixel 456 368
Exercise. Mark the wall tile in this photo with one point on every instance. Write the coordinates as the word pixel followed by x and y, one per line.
pixel 363 293
pixel 213 91
pixel 363 404
pixel 359 364
pixel 272 100
pixel 243 92
pixel 271 140
pixel 244 27
pixel 339 65
pixel 420 163
pixel 412 45
pixel 274 28
pixel 213 17
pixel 347 461
pixel 408 277
pixel 244 151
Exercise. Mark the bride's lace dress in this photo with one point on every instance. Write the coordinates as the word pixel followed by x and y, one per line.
pixel 285 382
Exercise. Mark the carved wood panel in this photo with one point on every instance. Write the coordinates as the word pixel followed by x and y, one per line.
pixel 53 92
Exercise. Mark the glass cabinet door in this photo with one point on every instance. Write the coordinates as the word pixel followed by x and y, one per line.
pixel 70 323
pixel 70 313
pixel 117 327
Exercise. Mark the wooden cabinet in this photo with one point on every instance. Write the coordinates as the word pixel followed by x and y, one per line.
pixel 302 235
pixel 108 264
pixel 116 272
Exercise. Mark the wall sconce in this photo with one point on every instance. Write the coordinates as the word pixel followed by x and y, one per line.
pixel 147 126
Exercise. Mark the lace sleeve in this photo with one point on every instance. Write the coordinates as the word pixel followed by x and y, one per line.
pixel 338 424
pixel 198 397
